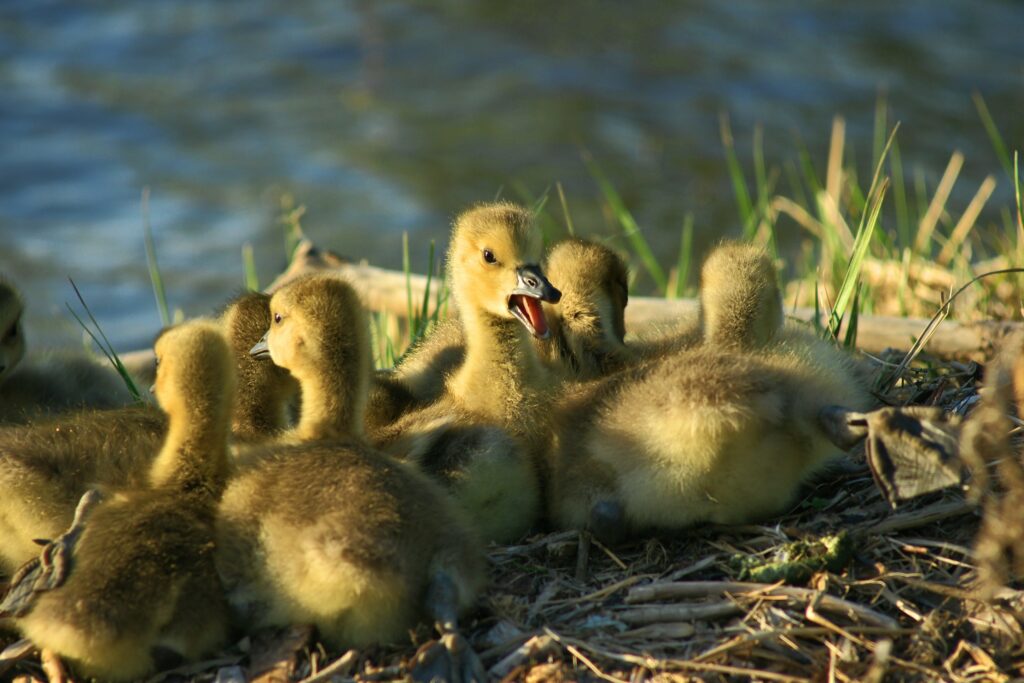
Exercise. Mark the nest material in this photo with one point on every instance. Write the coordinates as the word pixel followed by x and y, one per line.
pixel 841 588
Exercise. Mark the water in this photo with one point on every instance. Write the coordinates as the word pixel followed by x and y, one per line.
pixel 384 117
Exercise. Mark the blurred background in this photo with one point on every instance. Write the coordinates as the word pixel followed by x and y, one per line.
pixel 389 117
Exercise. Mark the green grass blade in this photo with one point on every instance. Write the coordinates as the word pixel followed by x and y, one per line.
pixel 291 223
pixel 441 302
pixel 407 269
pixel 154 268
pixel 850 340
pixel 899 195
pixel 549 226
pixel 739 184
pixel 1017 193
pixel 795 184
pixel 993 133
pixel 1019 232
pixel 761 184
pixel 860 249
pixel 106 347
pixel 565 210
pixel 817 309
pixel 685 260
pixel 807 167
pixel 250 279
pixel 865 230
pixel 629 226
pixel 424 316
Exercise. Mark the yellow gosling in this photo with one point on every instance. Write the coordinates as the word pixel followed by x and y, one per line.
pixel 141 582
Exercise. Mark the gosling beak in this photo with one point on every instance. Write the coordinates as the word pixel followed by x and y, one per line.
pixel 524 301
pixel 261 351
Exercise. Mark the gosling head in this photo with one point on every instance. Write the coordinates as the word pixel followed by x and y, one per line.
pixel 246 319
pixel 317 326
pixel 493 264
pixel 595 289
pixel 741 304
pixel 12 336
pixel 195 374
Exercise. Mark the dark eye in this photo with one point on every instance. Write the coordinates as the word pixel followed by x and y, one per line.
pixel 489 256
pixel 156 362
pixel 277 318
pixel 11 333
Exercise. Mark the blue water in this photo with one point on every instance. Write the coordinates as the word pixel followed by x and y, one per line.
pixel 384 117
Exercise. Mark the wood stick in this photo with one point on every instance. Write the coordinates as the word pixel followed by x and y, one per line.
pixel 657 614
pixel 664 631
pixel 919 518
pixel 385 291
pixel 534 647
pixel 696 589
pixel 655 664
pixel 342 666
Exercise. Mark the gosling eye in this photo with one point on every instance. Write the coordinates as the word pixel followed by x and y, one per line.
pixel 11 333
pixel 489 256
pixel 277 318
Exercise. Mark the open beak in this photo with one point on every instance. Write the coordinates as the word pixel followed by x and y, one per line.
pixel 261 351
pixel 524 301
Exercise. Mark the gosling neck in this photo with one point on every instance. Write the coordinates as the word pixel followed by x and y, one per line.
pixel 333 399
pixel 195 454
pixel 501 374
pixel 260 414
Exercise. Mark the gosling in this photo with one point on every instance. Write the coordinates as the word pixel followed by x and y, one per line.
pixel 141 580
pixel 319 528
pixel 722 431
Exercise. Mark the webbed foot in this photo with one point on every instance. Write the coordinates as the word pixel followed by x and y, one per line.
pixel 450 659
pixel 608 522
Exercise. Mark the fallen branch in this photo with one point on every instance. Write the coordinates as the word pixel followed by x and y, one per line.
pixel 649 662
pixel 919 518
pixel 385 291
pixel 657 614
pixel 535 647
pixel 698 589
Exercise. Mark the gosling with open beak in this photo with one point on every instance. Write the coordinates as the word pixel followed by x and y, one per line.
pixel 532 287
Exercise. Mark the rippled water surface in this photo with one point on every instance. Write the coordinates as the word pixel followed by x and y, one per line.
pixel 384 117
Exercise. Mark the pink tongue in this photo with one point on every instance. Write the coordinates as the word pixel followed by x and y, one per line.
pixel 535 313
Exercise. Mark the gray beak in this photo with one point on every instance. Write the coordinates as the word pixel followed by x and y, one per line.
pixel 524 301
pixel 261 351
pixel 531 282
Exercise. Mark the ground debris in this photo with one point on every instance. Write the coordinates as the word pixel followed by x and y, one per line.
pixel 882 594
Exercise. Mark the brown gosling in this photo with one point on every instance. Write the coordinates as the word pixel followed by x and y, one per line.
pixel 141 583
pixel 327 531
pixel 588 323
pixel 724 431
pixel 483 436
pixel 264 389
pixel 46 466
